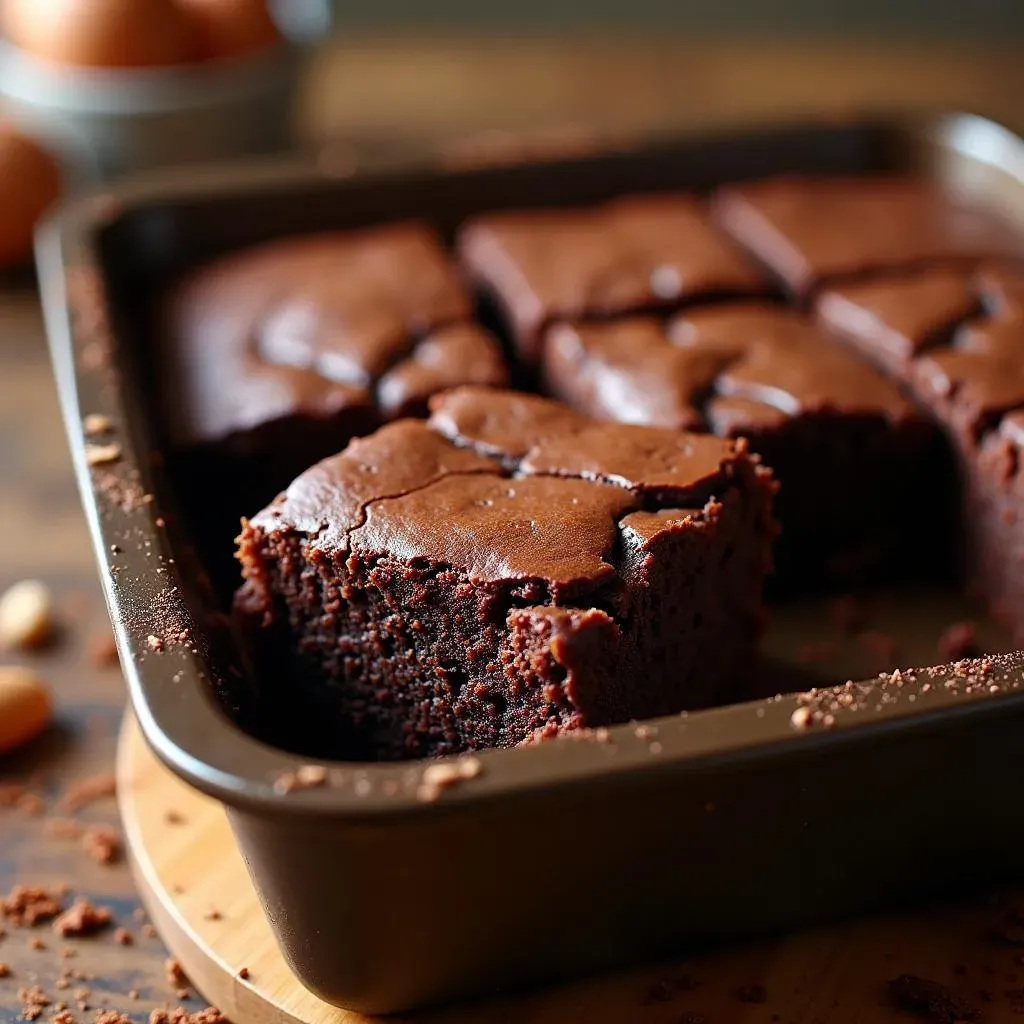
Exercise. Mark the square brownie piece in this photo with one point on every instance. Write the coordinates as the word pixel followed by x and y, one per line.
pixel 956 341
pixel 849 450
pixel 809 231
pixel 274 357
pixel 507 571
pixel 629 255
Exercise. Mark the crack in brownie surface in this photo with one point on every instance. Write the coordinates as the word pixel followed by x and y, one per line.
pixel 847 447
pixel 635 253
pixel 274 357
pixel 577 574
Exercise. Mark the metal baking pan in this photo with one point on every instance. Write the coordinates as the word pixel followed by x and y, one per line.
pixel 570 856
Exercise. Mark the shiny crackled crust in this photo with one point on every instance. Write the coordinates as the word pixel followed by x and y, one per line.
pixel 510 569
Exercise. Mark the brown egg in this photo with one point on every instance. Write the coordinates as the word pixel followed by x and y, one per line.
pixel 232 28
pixel 29 183
pixel 102 33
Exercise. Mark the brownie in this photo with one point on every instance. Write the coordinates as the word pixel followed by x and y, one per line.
pixel 848 448
pixel 632 254
pixel 274 357
pixel 956 341
pixel 507 571
pixel 810 231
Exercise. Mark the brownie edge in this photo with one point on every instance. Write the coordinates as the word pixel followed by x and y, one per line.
pixel 505 572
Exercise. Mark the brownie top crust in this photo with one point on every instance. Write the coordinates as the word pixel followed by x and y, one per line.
pixel 628 255
pixel 503 486
pixel 808 231
pixel 732 367
pixel 956 337
pixel 316 326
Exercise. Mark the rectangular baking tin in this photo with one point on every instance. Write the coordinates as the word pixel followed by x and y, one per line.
pixel 570 856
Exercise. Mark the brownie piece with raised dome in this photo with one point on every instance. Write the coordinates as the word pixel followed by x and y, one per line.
pixel 809 231
pixel 632 254
pixel 507 571
pixel 848 448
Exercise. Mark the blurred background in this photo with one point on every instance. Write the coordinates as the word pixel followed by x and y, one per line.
pixel 111 87
pixel 912 18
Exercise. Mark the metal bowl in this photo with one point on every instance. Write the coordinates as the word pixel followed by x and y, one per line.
pixel 104 122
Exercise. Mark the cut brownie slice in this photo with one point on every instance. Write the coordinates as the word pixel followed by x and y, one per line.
pixel 639 253
pixel 956 340
pixel 808 231
pixel 274 357
pixel 848 449
pixel 507 571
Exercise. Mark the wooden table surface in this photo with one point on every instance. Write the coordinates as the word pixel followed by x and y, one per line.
pixel 379 87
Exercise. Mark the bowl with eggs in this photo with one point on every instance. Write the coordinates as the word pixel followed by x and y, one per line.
pixel 113 86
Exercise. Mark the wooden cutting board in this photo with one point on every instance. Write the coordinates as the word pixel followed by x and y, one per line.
pixel 197 891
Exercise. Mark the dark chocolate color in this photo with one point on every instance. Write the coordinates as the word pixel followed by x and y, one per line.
pixel 506 572
pixel 274 357
pixel 644 252
pixel 846 445
pixel 808 231
pixel 963 359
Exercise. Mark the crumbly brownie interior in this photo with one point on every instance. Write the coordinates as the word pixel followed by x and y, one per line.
pixel 506 572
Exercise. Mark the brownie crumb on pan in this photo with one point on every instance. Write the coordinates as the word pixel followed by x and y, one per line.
pixel 489 575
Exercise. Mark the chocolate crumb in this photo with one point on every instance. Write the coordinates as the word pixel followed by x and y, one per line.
pixel 154 643
pixel 36 943
pixel 123 937
pixel 102 454
pixel 183 993
pixel 213 915
pixel 929 1000
pixel 5 970
pixel 437 778
pixel 133 995
pixel 103 844
pixel 175 973
pixel 801 718
pixel 96 423
pixel 82 918
pixel 173 817
pixel 28 905
pixel 63 1017
pixel 752 992
pixel 112 1017
pixel 243 973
